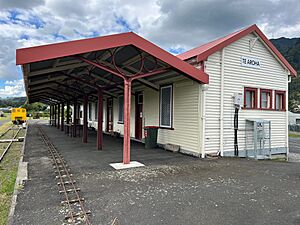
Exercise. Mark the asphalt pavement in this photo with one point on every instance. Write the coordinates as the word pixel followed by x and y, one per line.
pixel 171 188
pixel 294 145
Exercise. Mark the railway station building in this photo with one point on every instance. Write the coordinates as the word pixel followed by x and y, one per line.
pixel 227 97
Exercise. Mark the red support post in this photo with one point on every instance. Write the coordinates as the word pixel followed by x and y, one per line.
pixel 100 120
pixel 127 106
pixel 58 116
pixel 50 115
pixel 85 122
pixel 74 118
pixel 68 117
pixel 62 116
pixel 55 115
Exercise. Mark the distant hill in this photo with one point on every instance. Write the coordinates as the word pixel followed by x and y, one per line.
pixel 290 49
pixel 12 102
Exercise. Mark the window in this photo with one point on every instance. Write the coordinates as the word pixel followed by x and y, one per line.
pixel 166 105
pixel 140 98
pixel 280 100
pixel 250 98
pixel 265 99
pixel 96 111
pixel 90 111
pixel 110 102
pixel 121 109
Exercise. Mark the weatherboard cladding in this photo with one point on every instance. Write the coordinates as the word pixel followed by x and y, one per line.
pixel 186 111
pixel 271 75
pixel 212 115
pixel 185 115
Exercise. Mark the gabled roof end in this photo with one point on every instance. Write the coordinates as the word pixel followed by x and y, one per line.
pixel 202 52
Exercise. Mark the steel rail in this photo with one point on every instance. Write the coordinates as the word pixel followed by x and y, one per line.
pixel 58 159
pixel 9 144
pixel 8 129
pixel 60 176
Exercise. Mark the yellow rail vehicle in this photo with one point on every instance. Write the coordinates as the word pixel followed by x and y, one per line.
pixel 18 115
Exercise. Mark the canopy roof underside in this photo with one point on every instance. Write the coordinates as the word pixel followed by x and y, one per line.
pixel 67 71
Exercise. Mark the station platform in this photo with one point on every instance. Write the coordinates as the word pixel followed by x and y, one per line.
pixel 171 189
pixel 85 155
pixel 40 199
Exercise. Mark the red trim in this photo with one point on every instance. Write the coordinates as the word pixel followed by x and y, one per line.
pixel 202 52
pixel 255 97
pixel 271 98
pixel 72 48
pixel 62 116
pixel 100 119
pixel 85 119
pixel 202 64
pixel 138 120
pixel 107 114
pixel 283 100
pixel 75 116
pixel 127 106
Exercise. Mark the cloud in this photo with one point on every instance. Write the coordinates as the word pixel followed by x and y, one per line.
pixel 189 23
pixel 14 88
pixel 9 4
pixel 175 25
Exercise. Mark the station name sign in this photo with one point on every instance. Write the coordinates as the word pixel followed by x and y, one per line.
pixel 250 62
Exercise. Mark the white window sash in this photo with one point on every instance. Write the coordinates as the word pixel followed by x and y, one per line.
pixel 171 107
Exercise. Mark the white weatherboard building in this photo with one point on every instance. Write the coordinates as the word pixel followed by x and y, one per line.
pixel 294 118
pixel 244 68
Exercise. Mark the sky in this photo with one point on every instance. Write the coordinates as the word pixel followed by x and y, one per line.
pixel 174 25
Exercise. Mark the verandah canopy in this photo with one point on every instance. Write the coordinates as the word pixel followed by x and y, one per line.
pixel 87 69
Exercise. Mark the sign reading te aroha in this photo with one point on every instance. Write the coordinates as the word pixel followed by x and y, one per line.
pixel 250 62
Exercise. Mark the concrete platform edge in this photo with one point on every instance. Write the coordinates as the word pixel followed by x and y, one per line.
pixel 21 176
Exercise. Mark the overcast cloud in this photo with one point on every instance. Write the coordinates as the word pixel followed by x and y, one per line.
pixel 173 25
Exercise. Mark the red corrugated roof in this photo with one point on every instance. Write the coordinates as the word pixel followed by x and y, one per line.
pixel 203 51
pixel 72 48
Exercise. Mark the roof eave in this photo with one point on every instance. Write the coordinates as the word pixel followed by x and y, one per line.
pixel 204 55
pixel 26 56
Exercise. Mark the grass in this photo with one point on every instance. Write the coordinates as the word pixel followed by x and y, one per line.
pixel 8 174
pixel 294 135
pixel 5 117
pixel 4 127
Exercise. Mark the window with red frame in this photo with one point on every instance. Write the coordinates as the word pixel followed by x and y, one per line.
pixel 250 98
pixel 265 99
pixel 280 100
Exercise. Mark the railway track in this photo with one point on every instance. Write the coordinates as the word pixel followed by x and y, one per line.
pixel 5 132
pixel 14 130
pixel 76 212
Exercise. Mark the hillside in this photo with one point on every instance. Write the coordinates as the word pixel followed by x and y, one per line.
pixel 12 102
pixel 290 49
